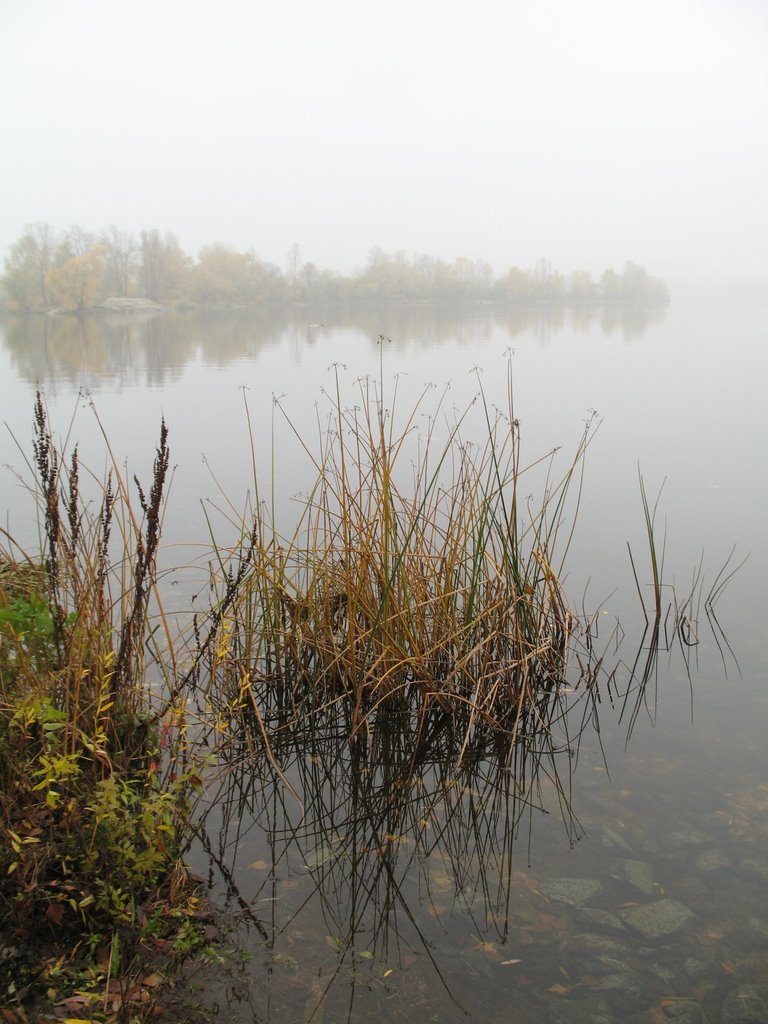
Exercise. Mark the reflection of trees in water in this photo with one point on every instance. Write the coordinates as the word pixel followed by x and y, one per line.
pixel 86 350
pixel 154 349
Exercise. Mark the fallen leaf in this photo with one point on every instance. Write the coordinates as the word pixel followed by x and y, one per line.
pixel 505 962
pixel 558 990
pixel 259 865
pixel 54 912
pixel 74 1002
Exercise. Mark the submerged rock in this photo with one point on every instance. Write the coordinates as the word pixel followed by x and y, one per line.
pixel 683 1011
pixel 636 872
pixel 687 837
pixel 610 837
pixel 652 920
pixel 712 860
pixel 595 954
pixel 622 990
pixel 573 891
pixel 755 868
pixel 747 1004
pixel 601 919
pixel 696 969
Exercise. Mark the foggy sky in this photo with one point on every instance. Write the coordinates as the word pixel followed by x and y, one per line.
pixel 586 131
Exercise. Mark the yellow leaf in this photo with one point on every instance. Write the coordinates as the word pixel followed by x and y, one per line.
pixel 558 990
pixel 259 865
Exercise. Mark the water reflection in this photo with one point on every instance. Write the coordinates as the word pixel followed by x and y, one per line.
pixel 388 845
pixel 392 873
pixel 153 349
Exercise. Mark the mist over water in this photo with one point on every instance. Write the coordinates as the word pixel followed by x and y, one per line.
pixel 587 133
pixel 489 164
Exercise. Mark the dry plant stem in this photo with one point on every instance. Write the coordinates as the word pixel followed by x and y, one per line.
pixel 443 588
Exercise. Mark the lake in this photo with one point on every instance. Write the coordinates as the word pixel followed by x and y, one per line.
pixel 617 865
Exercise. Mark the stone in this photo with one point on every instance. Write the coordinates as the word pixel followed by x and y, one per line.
pixel 687 837
pixel 712 860
pixel 622 990
pixel 610 837
pixel 636 872
pixel 756 868
pixel 594 954
pixel 601 919
pixel 573 891
pixel 682 1011
pixel 653 920
pixel 747 1004
pixel 696 969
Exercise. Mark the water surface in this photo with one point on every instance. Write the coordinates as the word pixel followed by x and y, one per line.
pixel 630 878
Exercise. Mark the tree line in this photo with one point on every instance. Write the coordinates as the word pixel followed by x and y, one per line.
pixel 76 270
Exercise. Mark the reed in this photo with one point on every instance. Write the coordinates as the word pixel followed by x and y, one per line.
pixel 416 568
pixel 414 613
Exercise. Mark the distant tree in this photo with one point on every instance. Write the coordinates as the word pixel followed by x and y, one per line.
pixel 610 286
pixel 26 268
pixel 309 270
pixel 516 285
pixel 294 269
pixel 43 267
pixel 164 267
pixel 549 284
pixel 220 275
pixel 638 287
pixel 119 260
pixel 75 281
pixel 581 287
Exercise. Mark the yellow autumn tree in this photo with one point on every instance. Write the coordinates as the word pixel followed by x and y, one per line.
pixel 75 282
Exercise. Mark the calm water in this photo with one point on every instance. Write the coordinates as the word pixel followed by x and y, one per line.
pixel 633 877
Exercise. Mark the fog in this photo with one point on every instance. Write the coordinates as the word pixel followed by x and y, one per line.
pixel 586 131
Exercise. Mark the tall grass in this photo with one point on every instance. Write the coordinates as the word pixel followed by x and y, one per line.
pixel 95 781
pixel 417 567
pixel 416 604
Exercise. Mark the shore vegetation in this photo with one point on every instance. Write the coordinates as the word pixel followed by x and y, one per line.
pixel 78 271
pixel 414 604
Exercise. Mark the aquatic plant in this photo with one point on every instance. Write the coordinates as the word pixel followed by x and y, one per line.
pixel 416 567
pixel 413 617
